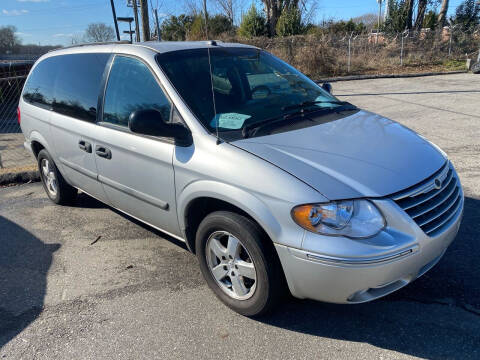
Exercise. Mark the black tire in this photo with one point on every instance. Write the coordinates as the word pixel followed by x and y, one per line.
pixel 270 286
pixel 476 68
pixel 65 193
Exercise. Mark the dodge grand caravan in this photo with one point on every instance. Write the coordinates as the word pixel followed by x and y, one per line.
pixel 272 181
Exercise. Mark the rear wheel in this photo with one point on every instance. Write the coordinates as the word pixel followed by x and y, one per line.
pixel 57 189
pixel 239 264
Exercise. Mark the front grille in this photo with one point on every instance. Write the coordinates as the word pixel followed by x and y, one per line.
pixel 433 202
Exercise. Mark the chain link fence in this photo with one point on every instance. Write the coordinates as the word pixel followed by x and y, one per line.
pixel 332 54
pixel 12 152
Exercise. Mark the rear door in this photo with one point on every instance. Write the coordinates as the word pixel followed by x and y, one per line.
pixel 136 171
pixel 73 121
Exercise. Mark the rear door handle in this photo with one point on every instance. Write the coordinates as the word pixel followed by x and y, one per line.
pixel 85 146
pixel 103 152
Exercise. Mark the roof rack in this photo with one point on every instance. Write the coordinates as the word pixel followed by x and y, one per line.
pixel 94 43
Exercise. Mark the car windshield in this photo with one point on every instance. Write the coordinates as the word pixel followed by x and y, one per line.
pixel 248 88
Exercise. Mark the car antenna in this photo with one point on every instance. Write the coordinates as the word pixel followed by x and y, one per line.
pixel 213 92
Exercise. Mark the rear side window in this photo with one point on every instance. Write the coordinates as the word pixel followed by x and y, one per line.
pixel 131 86
pixel 77 85
pixel 38 89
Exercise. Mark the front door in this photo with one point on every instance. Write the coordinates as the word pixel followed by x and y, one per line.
pixel 136 171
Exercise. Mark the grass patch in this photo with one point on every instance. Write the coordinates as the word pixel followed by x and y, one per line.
pixel 454 64
pixel 18 169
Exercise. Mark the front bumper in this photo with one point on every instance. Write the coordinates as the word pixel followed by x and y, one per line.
pixel 366 269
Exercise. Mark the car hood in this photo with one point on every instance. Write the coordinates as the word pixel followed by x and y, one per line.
pixel 362 155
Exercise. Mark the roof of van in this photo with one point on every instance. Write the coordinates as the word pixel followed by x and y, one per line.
pixel 164 46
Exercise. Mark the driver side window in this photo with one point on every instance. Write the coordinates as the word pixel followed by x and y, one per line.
pixel 131 86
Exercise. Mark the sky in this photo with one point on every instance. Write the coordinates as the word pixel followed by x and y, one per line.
pixel 52 22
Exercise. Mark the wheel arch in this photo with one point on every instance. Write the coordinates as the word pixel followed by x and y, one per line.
pixel 38 143
pixel 204 197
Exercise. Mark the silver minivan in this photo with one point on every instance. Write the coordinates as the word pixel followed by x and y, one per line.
pixel 273 182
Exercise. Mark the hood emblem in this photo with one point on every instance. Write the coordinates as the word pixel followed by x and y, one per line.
pixel 438 184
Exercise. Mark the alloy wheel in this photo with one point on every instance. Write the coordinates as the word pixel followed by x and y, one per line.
pixel 49 177
pixel 231 265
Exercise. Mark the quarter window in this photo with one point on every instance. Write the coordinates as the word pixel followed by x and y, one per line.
pixel 39 87
pixel 131 86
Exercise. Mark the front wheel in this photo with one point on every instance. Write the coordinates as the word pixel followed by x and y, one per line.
pixel 239 264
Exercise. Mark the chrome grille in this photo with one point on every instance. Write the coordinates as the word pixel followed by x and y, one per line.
pixel 433 202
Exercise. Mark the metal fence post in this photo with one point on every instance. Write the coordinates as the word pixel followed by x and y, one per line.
pixel 401 51
pixel 349 52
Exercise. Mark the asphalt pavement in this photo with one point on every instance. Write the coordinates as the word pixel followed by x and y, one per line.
pixel 87 282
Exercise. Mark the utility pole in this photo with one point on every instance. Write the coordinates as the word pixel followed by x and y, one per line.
pixel 206 17
pixel 155 11
pixel 378 24
pixel 137 26
pixel 115 19
pixel 145 22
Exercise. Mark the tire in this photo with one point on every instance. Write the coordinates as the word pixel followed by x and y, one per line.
pixel 57 189
pixel 476 68
pixel 268 288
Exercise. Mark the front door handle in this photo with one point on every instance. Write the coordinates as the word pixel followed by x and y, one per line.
pixel 103 152
pixel 85 146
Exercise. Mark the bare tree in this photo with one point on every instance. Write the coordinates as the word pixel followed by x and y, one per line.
pixel 193 7
pixel 308 9
pixel 442 16
pixel 99 32
pixel 227 6
pixel 369 20
pixel 231 9
pixel 8 39
pixel 422 7
pixel 77 39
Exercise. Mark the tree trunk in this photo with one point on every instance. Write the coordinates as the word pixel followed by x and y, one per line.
pixel 442 17
pixel 409 6
pixel 145 22
pixel 422 7
pixel 273 13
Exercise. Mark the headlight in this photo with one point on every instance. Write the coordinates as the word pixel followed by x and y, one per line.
pixel 351 218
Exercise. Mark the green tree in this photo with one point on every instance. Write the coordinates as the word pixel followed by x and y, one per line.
pixel 347 27
pixel 467 15
pixel 289 23
pixel 397 16
pixel 431 20
pixel 217 25
pixel 220 24
pixel 253 24
pixel 176 28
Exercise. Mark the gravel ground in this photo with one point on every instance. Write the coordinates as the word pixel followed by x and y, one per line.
pixel 87 282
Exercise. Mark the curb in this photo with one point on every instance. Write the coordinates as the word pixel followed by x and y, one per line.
pixel 388 76
pixel 16 178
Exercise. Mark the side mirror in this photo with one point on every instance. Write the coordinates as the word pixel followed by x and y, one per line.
pixel 327 87
pixel 151 122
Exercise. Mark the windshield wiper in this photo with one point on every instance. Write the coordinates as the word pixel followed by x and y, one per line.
pixel 272 121
pixel 299 115
pixel 312 103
